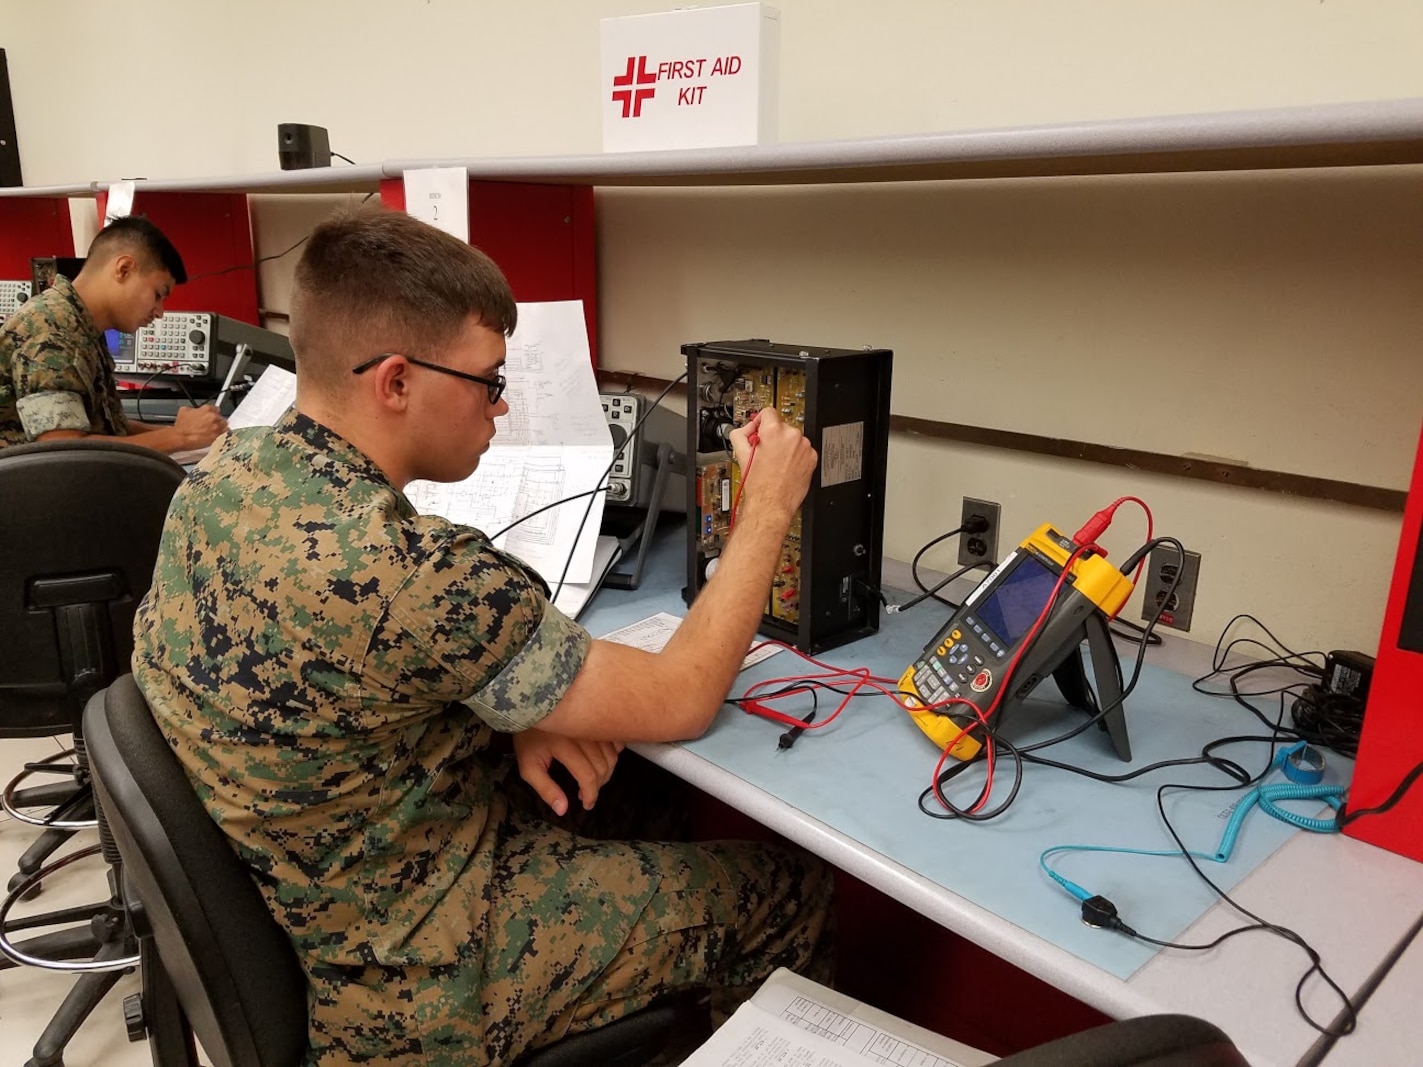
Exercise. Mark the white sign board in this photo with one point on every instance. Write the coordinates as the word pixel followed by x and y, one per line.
pixel 440 196
pixel 698 78
pixel 120 202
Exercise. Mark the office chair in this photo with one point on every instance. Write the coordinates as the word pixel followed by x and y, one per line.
pixel 79 535
pixel 216 965
pixel 1149 1041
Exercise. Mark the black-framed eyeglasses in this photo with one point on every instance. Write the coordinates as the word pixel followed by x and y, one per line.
pixel 495 385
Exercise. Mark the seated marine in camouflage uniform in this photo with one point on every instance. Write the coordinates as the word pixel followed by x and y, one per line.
pixel 330 667
pixel 56 375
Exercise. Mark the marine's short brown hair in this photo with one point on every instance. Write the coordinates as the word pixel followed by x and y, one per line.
pixel 373 280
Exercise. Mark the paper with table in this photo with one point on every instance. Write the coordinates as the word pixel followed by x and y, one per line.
pixel 267 400
pixel 553 444
pixel 794 1022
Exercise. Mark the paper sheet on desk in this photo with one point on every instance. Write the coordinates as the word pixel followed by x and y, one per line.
pixel 553 443
pixel 574 596
pixel 267 400
pixel 652 634
pixel 265 403
pixel 793 1022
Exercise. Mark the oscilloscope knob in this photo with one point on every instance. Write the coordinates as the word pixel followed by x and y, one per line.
pixel 197 336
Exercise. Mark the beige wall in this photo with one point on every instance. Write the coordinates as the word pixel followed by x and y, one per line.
pixel 1270 319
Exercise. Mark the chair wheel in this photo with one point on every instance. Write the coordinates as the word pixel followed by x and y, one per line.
pixel 17 880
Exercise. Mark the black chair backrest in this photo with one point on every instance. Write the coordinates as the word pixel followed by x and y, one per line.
pixel 80 523
pixel 1148 1041
pixel 233 967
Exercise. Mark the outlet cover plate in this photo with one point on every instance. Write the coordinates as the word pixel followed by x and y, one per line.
pixel 989 538
pixel 1159 568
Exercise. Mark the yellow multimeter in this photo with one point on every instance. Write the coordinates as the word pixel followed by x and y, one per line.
pixel 989 646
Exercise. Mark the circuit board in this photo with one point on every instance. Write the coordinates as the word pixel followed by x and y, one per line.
pixel 735 395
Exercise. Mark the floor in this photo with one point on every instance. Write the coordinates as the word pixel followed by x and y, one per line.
pixel 28 995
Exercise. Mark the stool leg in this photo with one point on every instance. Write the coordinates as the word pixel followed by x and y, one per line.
pixel 88 991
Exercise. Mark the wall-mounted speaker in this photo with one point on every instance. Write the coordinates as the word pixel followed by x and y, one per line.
pixel 301 147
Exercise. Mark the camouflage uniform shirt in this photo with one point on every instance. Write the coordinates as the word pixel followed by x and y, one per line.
pixel 55 370
pixel 325 662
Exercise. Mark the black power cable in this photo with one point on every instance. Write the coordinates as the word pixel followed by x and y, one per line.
pixel 264 259
pixel 934 591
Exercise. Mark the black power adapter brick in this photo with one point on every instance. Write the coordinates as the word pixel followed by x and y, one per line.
pixel 1348 674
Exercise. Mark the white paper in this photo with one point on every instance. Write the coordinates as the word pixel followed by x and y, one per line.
pixel 120 202
pixel 574 596
pixel 439 196
pixel 793 1022
pixel 652 634
pixel 267 401
pixel 554 444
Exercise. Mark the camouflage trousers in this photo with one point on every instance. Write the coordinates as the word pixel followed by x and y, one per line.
pixel 588 921
pixel 724 916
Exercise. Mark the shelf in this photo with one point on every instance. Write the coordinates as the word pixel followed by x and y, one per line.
pixel 319 180
pixel 1370 133
pixel 1385 132
pixel 38 191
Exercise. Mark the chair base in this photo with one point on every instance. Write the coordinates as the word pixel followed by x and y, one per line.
pixel 15 800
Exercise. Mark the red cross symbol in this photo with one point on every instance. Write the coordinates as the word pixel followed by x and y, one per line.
pixel 632 99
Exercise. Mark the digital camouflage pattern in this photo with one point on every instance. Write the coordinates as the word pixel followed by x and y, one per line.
pixel 55 370
pixel 329 666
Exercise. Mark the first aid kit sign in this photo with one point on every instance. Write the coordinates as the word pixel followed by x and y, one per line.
pixel 698 78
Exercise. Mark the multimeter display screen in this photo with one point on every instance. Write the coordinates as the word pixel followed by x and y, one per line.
pixel 1012 608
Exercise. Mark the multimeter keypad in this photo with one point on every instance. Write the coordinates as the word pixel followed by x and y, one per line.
pixel 966 662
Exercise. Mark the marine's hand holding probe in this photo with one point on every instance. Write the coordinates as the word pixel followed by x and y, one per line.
pixel 783 459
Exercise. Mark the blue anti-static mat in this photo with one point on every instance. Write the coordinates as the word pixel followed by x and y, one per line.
pixel 863 775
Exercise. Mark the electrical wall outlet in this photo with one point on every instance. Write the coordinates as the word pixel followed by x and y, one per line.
pixel 1161 567
pixel 977 547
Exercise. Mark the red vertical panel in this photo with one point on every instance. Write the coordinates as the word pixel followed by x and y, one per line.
pixel 1392 741
pixel 392 193
pixel 38 226
pixel 585 261
pixel 542 238
pixel 213 234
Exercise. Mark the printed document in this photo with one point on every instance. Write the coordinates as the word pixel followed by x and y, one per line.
pixel 574 596
pixel 267 401
pixel 552 445
pixel 652 634
pixel 794 1022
